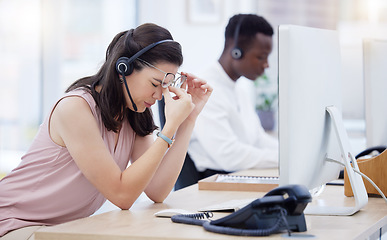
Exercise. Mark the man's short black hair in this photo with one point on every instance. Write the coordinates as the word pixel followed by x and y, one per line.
pixel 250 25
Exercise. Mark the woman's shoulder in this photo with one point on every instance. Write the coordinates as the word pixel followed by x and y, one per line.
pixel 80 92
pixel 76 100
pixel 71 105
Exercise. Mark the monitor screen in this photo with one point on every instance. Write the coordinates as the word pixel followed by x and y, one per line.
pixel 375 85
pixel 309 82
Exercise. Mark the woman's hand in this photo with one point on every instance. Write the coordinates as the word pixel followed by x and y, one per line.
pixel 200 91
pixel 181 112
pixel 177 108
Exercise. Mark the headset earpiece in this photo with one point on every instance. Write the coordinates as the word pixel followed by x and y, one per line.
pixel 237 52
pixel 123 66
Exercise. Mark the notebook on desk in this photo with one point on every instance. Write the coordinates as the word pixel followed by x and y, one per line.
pixel 228 206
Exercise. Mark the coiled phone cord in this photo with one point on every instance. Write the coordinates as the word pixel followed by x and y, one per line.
pixel 197 219
pixel 192 219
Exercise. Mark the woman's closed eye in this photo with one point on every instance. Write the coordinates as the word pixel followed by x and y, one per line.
pixel 156 83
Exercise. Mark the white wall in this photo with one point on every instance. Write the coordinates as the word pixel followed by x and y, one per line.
pixel 202 42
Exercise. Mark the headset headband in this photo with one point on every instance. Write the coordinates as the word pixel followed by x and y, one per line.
pixel 147 48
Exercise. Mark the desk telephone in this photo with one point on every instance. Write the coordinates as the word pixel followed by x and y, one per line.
pixel 280 209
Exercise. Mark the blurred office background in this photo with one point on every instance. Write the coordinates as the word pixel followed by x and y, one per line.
pixel 47 44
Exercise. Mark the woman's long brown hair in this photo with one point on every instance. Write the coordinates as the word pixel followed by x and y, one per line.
pixel 111 100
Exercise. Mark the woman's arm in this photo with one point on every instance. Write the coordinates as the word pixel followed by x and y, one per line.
pixel 73 125
pixel 169 169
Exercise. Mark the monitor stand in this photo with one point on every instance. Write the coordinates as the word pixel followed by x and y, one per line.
pixel 357 184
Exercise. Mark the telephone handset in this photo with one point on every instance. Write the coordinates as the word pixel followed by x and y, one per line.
pixel 280 209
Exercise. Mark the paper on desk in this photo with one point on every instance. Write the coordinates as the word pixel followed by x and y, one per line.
pixel 228 206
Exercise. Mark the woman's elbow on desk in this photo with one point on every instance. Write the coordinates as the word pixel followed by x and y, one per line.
pixel 123 204
pixel 157 194
pixel 156 198
pixel 123 199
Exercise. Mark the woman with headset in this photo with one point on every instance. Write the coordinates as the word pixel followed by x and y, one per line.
pixel 80 156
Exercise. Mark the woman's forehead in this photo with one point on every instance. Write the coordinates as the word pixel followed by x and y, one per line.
pixel 167 67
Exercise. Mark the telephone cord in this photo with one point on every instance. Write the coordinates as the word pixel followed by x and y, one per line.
pixel 192 219
pixel 197 219
pixel 251 232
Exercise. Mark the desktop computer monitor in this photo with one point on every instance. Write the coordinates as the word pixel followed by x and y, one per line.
pixel 375 87
pixel 310 125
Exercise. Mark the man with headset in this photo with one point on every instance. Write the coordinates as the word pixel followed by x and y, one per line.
pixel 228 135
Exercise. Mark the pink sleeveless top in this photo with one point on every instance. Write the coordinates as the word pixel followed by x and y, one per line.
pixel 47 187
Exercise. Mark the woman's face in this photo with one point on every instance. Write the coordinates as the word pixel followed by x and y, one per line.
pixel 145 85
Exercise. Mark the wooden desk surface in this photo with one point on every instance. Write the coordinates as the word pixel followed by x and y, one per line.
pixel 139 222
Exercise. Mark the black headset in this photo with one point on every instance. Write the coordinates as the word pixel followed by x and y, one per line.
pixel 124 65
pixel 237 52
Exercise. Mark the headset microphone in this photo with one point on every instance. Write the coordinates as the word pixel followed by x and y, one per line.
pixel 127 88
pixel 130 96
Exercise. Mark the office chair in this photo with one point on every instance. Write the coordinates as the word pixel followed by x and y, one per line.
pixel 189 175
pixel 379 149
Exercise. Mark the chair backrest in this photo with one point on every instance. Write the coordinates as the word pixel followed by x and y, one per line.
pixel 189 175
pixel 161 106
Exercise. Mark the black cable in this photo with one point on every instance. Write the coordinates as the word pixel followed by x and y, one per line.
pixel 197 219
pixel 242 232
pixel 245 232
pixel 283 213
pixel 127 90
pixel 192 219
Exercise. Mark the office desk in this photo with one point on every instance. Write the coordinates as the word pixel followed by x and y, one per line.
pixel 139 222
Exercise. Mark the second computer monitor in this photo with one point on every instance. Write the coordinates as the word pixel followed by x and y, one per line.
pixel 375 86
